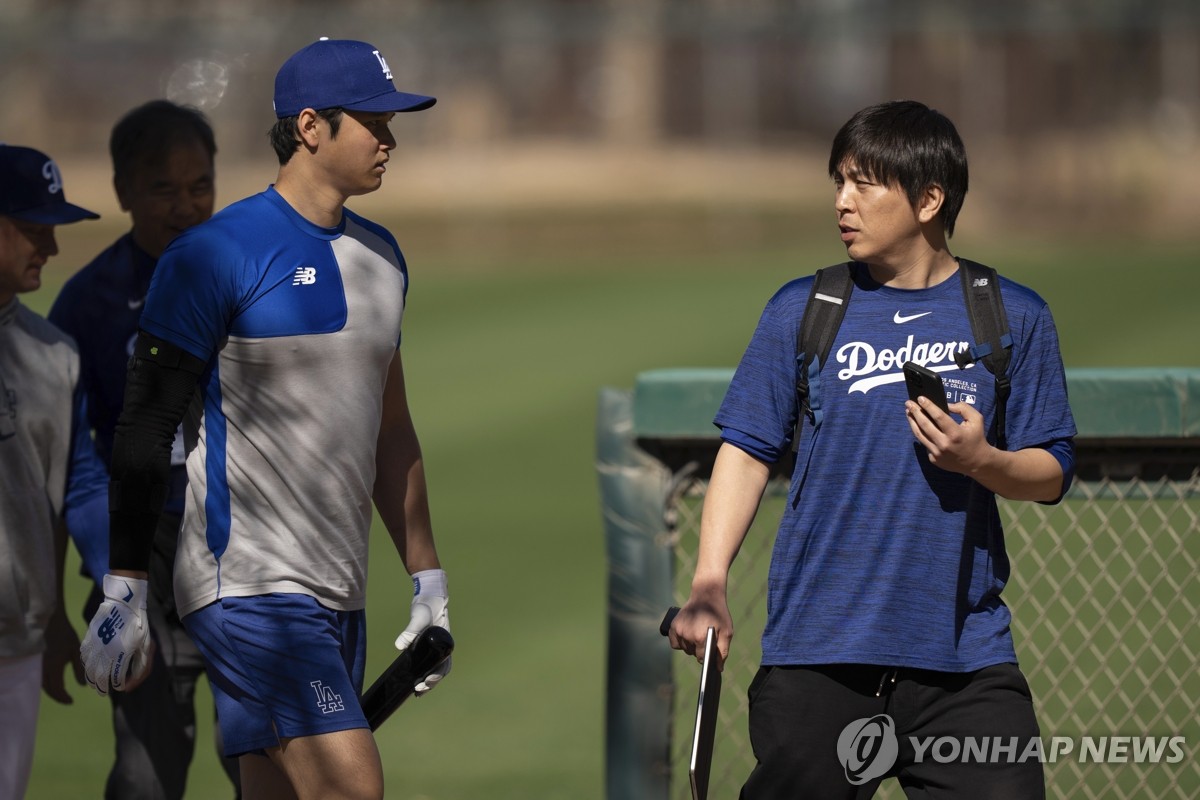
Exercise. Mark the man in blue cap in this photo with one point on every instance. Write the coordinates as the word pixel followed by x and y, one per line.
pixel 276 327
pixel 45 456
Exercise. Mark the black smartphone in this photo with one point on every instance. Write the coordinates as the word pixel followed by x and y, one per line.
pixel 924 382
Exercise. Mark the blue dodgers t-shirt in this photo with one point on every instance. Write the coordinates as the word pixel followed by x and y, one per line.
pixel 881 557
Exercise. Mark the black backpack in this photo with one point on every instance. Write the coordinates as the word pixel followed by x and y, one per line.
pixel 827 306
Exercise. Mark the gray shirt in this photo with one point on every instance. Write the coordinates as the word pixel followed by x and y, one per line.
pixel 39 370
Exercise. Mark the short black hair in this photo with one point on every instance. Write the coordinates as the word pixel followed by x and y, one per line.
pixel 907 144
pixel 148 133
pixel 283 133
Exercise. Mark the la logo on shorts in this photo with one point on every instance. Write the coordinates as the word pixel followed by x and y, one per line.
pixel 328 700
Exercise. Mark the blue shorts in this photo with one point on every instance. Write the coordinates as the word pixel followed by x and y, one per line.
pixel 280 666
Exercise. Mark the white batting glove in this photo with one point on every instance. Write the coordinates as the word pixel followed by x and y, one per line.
pixel 116 648
pixel 429 607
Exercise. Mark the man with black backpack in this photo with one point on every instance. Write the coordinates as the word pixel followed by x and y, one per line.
pixel 885 627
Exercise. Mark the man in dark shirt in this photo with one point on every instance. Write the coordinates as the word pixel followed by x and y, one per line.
pixel 163 174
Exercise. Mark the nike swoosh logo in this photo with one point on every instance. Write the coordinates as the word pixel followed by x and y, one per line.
pixel 900 319
pixel 134 305
pixel 129 596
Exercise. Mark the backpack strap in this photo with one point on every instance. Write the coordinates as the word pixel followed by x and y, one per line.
pixel 989 325
pixel 822 317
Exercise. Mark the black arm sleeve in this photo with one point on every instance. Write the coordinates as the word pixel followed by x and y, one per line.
pixel 158 388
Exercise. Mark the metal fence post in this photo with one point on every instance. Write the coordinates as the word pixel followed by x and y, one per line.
pixel 633 488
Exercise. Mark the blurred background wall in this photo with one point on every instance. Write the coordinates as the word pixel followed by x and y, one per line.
pixel 1077 113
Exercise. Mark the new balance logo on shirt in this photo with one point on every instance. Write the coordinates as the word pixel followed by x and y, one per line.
pixel 305 275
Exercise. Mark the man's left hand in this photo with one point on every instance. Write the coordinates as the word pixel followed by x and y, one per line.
pixel 954 446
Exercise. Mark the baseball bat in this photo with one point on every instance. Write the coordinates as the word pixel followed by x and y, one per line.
pixel 430 650
pixel 664 627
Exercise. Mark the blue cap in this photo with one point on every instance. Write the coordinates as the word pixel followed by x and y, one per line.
pixel 31 188
pixel 340 73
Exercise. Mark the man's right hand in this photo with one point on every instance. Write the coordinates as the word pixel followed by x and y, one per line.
pixel 702 611
pixel 116 650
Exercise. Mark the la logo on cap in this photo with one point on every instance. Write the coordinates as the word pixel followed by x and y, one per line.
pixel 387 73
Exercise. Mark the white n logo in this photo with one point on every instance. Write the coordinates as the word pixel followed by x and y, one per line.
pixel 387 73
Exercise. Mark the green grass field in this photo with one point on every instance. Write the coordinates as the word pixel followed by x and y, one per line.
pixel 505 350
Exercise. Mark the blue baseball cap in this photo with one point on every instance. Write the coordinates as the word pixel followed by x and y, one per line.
pixel 31 189
pixel 340 73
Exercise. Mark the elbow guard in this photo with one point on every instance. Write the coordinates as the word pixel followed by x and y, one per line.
pixel 158 389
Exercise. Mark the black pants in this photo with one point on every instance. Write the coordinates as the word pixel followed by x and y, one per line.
pixel 814 730
pixel 155 724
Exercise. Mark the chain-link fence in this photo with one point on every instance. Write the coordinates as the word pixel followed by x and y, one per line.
pixel 1105 591
pixel 1104 599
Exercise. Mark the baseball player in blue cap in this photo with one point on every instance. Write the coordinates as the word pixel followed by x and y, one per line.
pixel 46 456
pixel 276 327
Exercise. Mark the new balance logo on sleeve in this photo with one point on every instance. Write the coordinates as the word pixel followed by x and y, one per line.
pixel 305 275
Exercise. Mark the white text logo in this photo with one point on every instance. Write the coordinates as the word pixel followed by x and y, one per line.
pixel 865 363
pixel 1014 750
pixel 305 275
pixel 867 749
